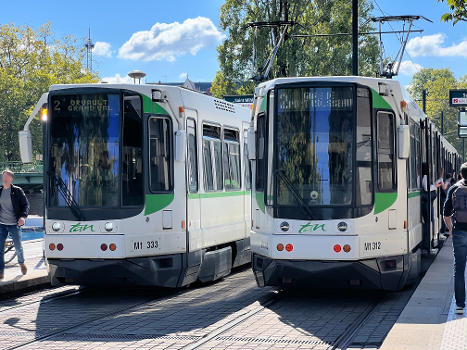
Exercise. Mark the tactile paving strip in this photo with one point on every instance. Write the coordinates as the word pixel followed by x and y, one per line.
pixel 455 331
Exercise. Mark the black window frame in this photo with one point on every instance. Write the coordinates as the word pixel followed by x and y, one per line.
pixel 171 151
pixel 325 212
pixel 211 139
pixel 91 212
pixel 189 158
pixel 394 159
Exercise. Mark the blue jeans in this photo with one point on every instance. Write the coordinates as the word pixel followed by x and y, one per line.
pixel 15 233
pixel 459 241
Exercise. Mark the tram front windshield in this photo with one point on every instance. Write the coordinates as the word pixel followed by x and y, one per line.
pixel 95 150
pixel 323 146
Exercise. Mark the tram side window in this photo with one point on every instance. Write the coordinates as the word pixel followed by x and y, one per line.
pixel 192 157
pixel 385 146
pixel 415 156
pixel 212 155
pixel 364 148
pixel 231 156
pixel 247 167
pixel 208 178
pixel 160 164
pixel 260 151
pixel 132 151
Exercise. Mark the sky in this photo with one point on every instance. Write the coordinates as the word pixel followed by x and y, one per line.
pixel 169 40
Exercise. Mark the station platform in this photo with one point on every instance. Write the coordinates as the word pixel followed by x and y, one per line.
pixel 428 321
pixel 14 281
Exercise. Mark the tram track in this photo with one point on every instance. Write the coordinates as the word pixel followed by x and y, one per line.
pixel 232 326
pixel 46 299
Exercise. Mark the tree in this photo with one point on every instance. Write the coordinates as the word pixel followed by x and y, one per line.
pixel 310 56
pixel 31 61
pixel 458 11
pixel 438 82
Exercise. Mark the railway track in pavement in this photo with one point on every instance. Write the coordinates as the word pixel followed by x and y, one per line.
pixel 232 313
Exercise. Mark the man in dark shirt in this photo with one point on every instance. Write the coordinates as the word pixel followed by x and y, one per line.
pixel 455 217
pixel 14 209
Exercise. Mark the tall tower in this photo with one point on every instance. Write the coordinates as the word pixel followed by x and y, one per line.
pixel 89 47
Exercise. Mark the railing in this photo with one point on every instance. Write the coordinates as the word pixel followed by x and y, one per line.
pixel 22 168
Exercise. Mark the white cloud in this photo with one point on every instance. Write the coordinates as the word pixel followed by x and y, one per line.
pixel 118 79
pixel 166 41
pixel 183 75
pixel 431 45
pixel 101 48
pixel 409 68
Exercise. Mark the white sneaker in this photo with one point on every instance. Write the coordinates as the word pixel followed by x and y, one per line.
pixel 459 310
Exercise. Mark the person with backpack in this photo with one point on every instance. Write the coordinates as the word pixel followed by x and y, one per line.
pixel 455 217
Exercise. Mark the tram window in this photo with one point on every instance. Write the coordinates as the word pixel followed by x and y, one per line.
pixel 231 160
pixel 234 162
pixel 160 160
pixel 385 145
pixel 132 151
pixel 247 167
pixel 208 178
pixel 225 161
pixel 260 151
pixel 192 157
pixel 218 164
pixel 364 148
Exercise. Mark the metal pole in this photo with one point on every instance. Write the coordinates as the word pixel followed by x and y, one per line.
pixel 442 123
pixel 463 150
pixel 355 37
pixel 424 100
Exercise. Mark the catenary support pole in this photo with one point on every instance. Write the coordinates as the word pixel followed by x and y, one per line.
pixel 424 100
pixel 355 37
pixel 442 123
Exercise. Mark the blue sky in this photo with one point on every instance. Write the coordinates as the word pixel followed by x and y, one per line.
pixel 168 39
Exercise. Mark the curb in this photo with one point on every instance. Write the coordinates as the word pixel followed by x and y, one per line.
pixel 22 283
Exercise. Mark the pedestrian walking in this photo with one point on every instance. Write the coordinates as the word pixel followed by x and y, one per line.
pixel 14 209
pixel 455 217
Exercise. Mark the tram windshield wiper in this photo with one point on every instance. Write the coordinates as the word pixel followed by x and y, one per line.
pixel 306 208
pixel 68 196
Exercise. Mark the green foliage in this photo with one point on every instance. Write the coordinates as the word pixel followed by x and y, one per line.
pixel 438 82
pixel 297 56
pixel 31 61
pixel 458 11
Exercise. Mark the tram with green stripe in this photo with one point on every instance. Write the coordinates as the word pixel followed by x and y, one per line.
pixel 338 169
pixel 144 185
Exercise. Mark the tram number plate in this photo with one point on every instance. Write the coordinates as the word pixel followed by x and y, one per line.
pixel 372 245
pixel 145 245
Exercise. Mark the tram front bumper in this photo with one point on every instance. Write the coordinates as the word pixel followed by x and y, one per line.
pixel 162 271
pixel 366 274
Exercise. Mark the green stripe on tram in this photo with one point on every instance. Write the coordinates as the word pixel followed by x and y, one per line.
pixel 383 200
pixel 378 101
pixel 156 202
pixel 413 194
pixel 217 194
pixel 152 107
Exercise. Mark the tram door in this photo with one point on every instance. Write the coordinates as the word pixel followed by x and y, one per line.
pixel 247 180
pixel 193 222
pixel 426 200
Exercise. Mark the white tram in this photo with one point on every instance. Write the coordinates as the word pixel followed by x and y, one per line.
pixel 337 199
pixel 145 185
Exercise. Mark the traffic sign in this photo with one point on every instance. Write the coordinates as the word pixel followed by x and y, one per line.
pixel 458 98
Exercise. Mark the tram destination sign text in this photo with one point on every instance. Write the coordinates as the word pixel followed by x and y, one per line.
pixel 458 98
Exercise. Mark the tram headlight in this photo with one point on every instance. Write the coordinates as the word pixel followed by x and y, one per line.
pixel 56 226
pixel 109 226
